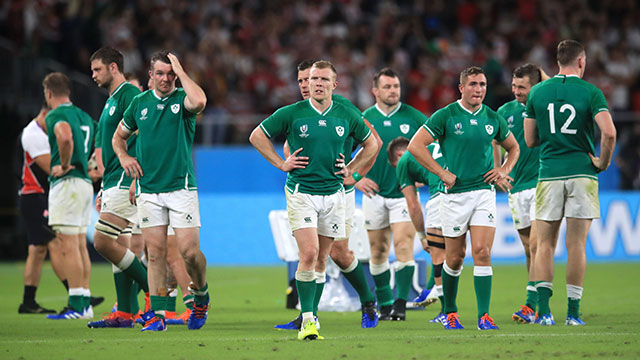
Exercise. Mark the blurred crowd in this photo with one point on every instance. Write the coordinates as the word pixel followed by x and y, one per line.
pixel 244 52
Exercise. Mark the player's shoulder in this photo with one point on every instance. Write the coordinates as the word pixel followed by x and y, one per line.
pixel 508 107
pixel 489 112
pixel 413 112
pixel 130 89
pixel 371 110
pixel 339 99
pixel 32 131
pixel 445 112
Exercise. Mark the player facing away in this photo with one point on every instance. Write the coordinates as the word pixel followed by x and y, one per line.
pixel 70 131
pixel 385 209
pixel 522 196
pixel 116 211
pixel 410 172
pixel 465 130
pixel 316 129
pixel 340 253
pixel 560 117
pixel 165 120
pixel 35 163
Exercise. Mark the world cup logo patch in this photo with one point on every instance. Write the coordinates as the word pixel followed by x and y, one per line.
pixel 458 130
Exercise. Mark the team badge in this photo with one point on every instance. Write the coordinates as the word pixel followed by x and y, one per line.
pixel 112 110
pixel 340 130
pixel 404 128
pixel 458 130
pixel 144 114
pixel 303 129
pixel 489 129
pixel 175 108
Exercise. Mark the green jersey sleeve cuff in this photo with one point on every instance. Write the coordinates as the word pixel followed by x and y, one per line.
pixel 126 128
pixel 433 135
pixel 265 131
pixel 366 136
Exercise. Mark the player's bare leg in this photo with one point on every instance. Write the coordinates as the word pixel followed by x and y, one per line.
pixel 403 238
pixel 547 240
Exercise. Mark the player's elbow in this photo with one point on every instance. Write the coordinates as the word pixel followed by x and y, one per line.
pixel 255 136
pixel 609 133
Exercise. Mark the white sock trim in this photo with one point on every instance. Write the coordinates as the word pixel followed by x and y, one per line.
pixel 351 267
pixel 544 284
pixel 450 271
pixel 87 293
pixel 531 288
pixel 401 265
pixel 306 275
pixel 174 293
pixel 482 271
pixel 307 316
pixel 126 260
pixel 574 292
pixel 115 269
pixel 76 292
pixel 321 277
pixel 377 269
pixel 439 290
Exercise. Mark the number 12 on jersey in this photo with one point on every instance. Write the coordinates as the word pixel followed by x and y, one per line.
pixel 565 127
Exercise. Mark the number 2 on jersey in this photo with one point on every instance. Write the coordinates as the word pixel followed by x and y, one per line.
pixel 565 127
pixel 436 154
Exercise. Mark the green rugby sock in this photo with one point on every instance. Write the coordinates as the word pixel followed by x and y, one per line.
pixel 383 289
pixel 123 291
pixel 317 296
pixel 431 282
pixel 306 294
pixel 545 292
pixel 403 281
pixel 532 296
pixel 482 285
pixel 358 280
pixel 450 289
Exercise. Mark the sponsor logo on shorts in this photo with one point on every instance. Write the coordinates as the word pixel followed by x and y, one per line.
pixel 307 219
pixel 322 122
pixel 458 130
pixel 303 129
pixel 490 217
pixel 404 128
pixel 489 129
pixel 335 228
pixel 145 219
pixel 456 228
pixel 367 222
pixel 112 110
pixel 189 218
pixel 404 212
pixel 340 130
pixel 175 108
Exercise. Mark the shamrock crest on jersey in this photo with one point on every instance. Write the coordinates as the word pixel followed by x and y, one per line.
pixel 340 130
pixel 489 129
pixel 112 110
pixel 175 108
pixel 405 128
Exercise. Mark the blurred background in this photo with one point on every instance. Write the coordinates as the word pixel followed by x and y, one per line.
pixel 244 54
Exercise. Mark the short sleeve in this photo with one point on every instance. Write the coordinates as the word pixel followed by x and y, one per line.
pixel 98 142
pixel 529 111
pixel 35 143
pixel 360 131
pixel 435 125
pixel 598 102
pixel 277 123
pixel 503 129
pixel 403 173
pixel 129 119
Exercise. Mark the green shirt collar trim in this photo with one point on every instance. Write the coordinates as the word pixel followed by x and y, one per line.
pixel 563 75
pixel 118 88
pixel 393 112
pixel 66 104
pixel 164 98
pixel 321 112
pixel 469 111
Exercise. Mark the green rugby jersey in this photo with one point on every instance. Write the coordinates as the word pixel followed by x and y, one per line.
pixel 322 136
pixel 564 108
pixel 165 138
pixel 82 129
pixel 465 140
pixel 409 171
pixel 349 143
pixel 112 113
pixel 403 121
pixel 525 172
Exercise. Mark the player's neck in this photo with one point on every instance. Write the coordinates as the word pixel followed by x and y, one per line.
pixel 569 70
pixel 387 109
pixel 161 95
pixel 115 84
pixel 469 107
pixel 57 101
pixel 321 105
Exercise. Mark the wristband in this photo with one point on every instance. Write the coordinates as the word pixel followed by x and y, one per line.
pixel 421 235
pixel 357 177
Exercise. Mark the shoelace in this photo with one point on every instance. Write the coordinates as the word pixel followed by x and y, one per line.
pixel 151 321
pixel 488 319
pixel 199 311
pixel 526 310
pixel 451 319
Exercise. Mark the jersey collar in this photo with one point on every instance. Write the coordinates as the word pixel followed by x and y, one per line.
pixel 118 88
pixel 566 76
pixel 320 112
pixel 66 104
pixel 393 112
pixel 164 98
pixel 467 110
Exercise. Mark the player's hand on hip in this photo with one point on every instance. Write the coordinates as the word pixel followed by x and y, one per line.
pixel 99 201
pixel 505 184
pixel 596 162
pixel 131 167
pixel 368 187
pixel 132 194
pixel 295 162
pixel 344 171
pixel 57 171
pixel 448 179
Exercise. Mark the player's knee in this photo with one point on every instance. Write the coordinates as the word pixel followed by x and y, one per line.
pixel 38 251
pixel 106 234
pixel 482 254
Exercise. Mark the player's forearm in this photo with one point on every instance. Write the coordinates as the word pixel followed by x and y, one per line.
pixel 512 156
pixel 264 146
pixel 607 145
pixel 422 155
pixel 531 133
pixel 65 147
pixel 119 145
pixel 497 154
pixel 415 212
pixel 196 96
pixel 98 152
pixel 368 152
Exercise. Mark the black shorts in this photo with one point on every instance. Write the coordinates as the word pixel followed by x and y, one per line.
pixel 33 208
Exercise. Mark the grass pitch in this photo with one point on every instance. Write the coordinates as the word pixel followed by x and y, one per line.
pixel 248 301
